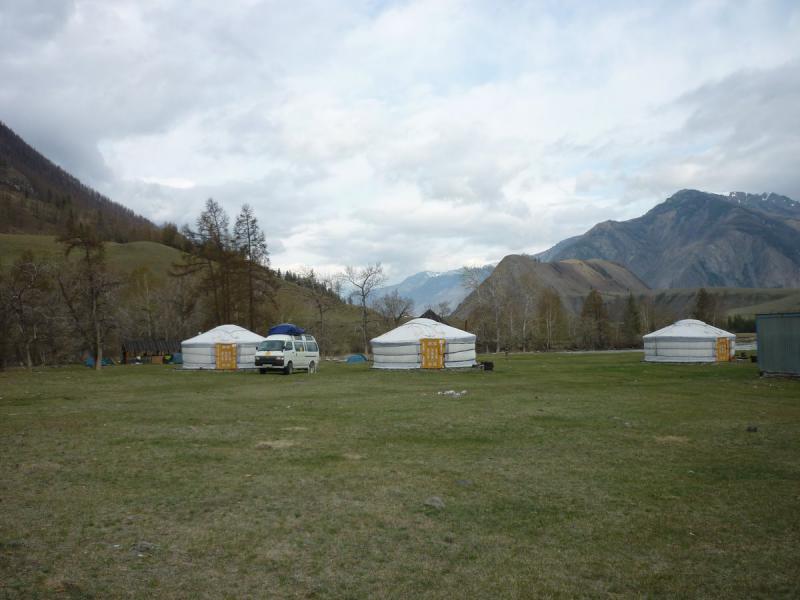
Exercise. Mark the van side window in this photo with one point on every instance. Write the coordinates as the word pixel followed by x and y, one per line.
pixel 312 347
pixel 299 346
pixel 288 346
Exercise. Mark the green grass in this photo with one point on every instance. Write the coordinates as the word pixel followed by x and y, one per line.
pixel 562 476
pixel 121 257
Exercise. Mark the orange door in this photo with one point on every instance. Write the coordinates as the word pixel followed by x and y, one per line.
pixel 226 356
pixel 432 353
pixel 723 350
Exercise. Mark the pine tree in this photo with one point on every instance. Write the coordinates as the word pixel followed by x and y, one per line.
pixel 705 307
pixel 211 256
pixel 595 325
pixel 632 323
pixel 251 244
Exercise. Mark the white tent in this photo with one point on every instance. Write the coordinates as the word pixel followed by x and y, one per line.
pixel 688 341
pixel 423 343
pixel 224 347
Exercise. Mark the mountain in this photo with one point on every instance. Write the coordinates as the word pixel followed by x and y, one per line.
pixel 430 288
pixel 572 279
pixel 696 239
pixel 39 197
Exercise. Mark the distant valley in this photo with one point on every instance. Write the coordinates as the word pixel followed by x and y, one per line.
pixel 430 289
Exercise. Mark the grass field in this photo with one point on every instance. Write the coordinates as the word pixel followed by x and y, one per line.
pixel 122 258
pixel 560 475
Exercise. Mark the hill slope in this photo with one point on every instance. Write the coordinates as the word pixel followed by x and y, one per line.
pixel 122 258
pixel 37 196
pixel 698 239
pixel 292 301
pixel 572 279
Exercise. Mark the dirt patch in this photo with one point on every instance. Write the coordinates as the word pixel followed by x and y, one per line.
pixel 45 465
pixel 353 456
pixel 671 439
pixel 274 444
pixel 62 586
pixel 294 428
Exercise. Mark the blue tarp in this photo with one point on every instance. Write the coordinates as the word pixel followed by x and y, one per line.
pixel 356 358
pixel 286 329
pixel 107 362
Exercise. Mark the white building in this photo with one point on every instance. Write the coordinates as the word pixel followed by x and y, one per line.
pixel 423 344
pixel 224 347
pixel 689 341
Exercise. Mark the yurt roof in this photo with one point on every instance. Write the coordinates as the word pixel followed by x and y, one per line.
pixel 224 334
pixel 690 328
pixel 416 329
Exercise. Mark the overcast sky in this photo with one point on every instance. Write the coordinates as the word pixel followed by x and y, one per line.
pixel 426 135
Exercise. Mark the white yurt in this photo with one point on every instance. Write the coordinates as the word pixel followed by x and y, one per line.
pixel 423 344
pixel 688 341
pixel 224 347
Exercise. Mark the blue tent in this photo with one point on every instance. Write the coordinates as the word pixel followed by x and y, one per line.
pixel 356 358
pixel 286 329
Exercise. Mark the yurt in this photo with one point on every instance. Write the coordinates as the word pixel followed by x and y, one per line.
pixel 689 341
pixel 224 347
pixel 423 344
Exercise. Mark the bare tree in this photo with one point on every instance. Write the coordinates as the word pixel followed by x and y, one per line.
pixel 443 309
pixel 5 319
pixel 489 294
pixel 551 317
pixel 86 288
pixel 323 293
pixel 364 280
pixel 27 301
pixel 394 308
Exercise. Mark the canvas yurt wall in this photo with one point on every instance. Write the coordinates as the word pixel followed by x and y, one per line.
pixel 224 347
pixel 689 341
pixel 423 343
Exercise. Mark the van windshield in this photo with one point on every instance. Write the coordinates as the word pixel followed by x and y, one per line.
pixel 271 345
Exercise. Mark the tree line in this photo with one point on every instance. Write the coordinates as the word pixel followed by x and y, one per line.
pixel 521 315
pixel 54 310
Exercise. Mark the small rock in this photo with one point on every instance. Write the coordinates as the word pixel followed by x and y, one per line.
pixel 143 546
pixel 464 482
pixel 752 429
pixel 435 502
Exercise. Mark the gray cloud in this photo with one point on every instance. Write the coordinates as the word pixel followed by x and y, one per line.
pixel 421 134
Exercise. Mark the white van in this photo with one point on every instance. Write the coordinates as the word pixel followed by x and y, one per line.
pixel 288 353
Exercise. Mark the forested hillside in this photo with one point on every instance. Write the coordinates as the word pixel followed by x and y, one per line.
pixel 529 304
pixel 39 197
pixel 68 297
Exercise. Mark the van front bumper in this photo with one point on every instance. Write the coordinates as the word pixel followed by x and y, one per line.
pixel 269 361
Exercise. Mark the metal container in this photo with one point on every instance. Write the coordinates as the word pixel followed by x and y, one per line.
pixel 779 343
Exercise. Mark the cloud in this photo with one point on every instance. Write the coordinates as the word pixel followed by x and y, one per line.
pixel 421 134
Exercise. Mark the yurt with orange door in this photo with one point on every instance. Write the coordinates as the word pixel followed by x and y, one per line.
pixel 689 341
pixel 227 347
pixel 423 344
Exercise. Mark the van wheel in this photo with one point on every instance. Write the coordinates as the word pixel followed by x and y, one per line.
pixel 288 369
pixel 262 371
pixel 312 367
